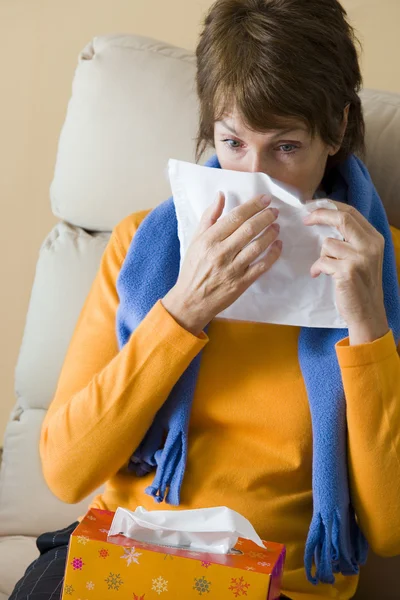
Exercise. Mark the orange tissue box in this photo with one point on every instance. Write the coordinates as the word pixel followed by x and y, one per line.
pixel 120 568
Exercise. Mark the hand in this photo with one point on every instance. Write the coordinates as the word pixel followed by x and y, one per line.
pixel 356 265
pixel 216 269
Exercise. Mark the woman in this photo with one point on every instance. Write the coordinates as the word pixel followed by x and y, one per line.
pixel 277 84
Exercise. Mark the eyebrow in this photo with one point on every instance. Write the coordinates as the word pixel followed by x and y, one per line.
pixel 280 132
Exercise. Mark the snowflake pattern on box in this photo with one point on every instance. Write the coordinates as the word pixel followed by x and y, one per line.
pixel 104 531
pixel 91 518
pixel 160 585
pixel 69 590
pixel 264 564
pixel 239 587
pixel 103 553
pixel 131 556
pixel 83 539
pixel 258 555
pixel 90 585
pixel 201 585
pixel 114 581
pixel 205 564
pixel 77 564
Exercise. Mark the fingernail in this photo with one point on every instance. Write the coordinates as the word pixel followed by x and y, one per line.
pixel 276 226
pixel 274 211
pixel 265 199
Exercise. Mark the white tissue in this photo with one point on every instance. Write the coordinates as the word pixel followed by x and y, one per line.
pixel 286 294
pixel 214 530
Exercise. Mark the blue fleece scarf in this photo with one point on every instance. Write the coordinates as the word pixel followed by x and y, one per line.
pixel 151 268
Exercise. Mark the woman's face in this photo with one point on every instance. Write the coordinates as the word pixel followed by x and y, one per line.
pixel 289 155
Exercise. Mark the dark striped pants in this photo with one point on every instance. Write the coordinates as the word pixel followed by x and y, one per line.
pixel 43 579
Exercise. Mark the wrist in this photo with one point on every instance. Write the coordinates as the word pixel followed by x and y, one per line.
pixel 368 330
pixel 183 312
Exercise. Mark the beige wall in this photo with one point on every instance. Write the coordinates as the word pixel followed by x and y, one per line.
pixel 40 42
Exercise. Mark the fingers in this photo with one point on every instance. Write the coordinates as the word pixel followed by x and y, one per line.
pixel 352 211
pixel 237 216
pixel 346 222
pixel 263 265
pixel 250 230
pixel 253 250
pixel 333 248
pixel 211 214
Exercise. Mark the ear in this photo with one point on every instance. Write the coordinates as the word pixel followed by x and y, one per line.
pixel 343 127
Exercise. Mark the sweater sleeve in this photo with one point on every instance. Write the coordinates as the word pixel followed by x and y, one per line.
pixel 106 399
pixel 371 381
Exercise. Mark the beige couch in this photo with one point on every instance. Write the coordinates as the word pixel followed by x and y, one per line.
pixel 133 106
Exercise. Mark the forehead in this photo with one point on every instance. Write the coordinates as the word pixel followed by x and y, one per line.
pixel 276 125
pixel 280 129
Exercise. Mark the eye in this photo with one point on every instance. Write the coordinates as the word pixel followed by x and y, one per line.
pixel 226 142
pixel 288 148
pixel 235 145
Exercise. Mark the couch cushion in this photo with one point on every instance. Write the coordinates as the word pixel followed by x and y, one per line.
pixel 68 261
pixel 382 123
pixel 16 554
pixel 27 506
pixel 133 106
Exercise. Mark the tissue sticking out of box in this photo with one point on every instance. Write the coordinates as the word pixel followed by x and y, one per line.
pixel 214 530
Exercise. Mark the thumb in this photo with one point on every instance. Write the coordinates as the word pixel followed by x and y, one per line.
pixel 211 214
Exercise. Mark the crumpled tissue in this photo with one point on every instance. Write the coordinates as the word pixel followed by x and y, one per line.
pixel 214 530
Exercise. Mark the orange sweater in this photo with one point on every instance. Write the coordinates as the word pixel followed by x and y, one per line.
pixel 250 436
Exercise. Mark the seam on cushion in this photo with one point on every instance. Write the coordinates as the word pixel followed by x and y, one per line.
pixel 3 472
pixel 4 463
pixel 161 52
pixel 74 232
pixel 375 92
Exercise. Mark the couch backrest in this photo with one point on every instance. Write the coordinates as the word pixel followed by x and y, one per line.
pixel 133 106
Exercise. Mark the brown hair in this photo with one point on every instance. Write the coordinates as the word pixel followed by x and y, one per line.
pixel 275 60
